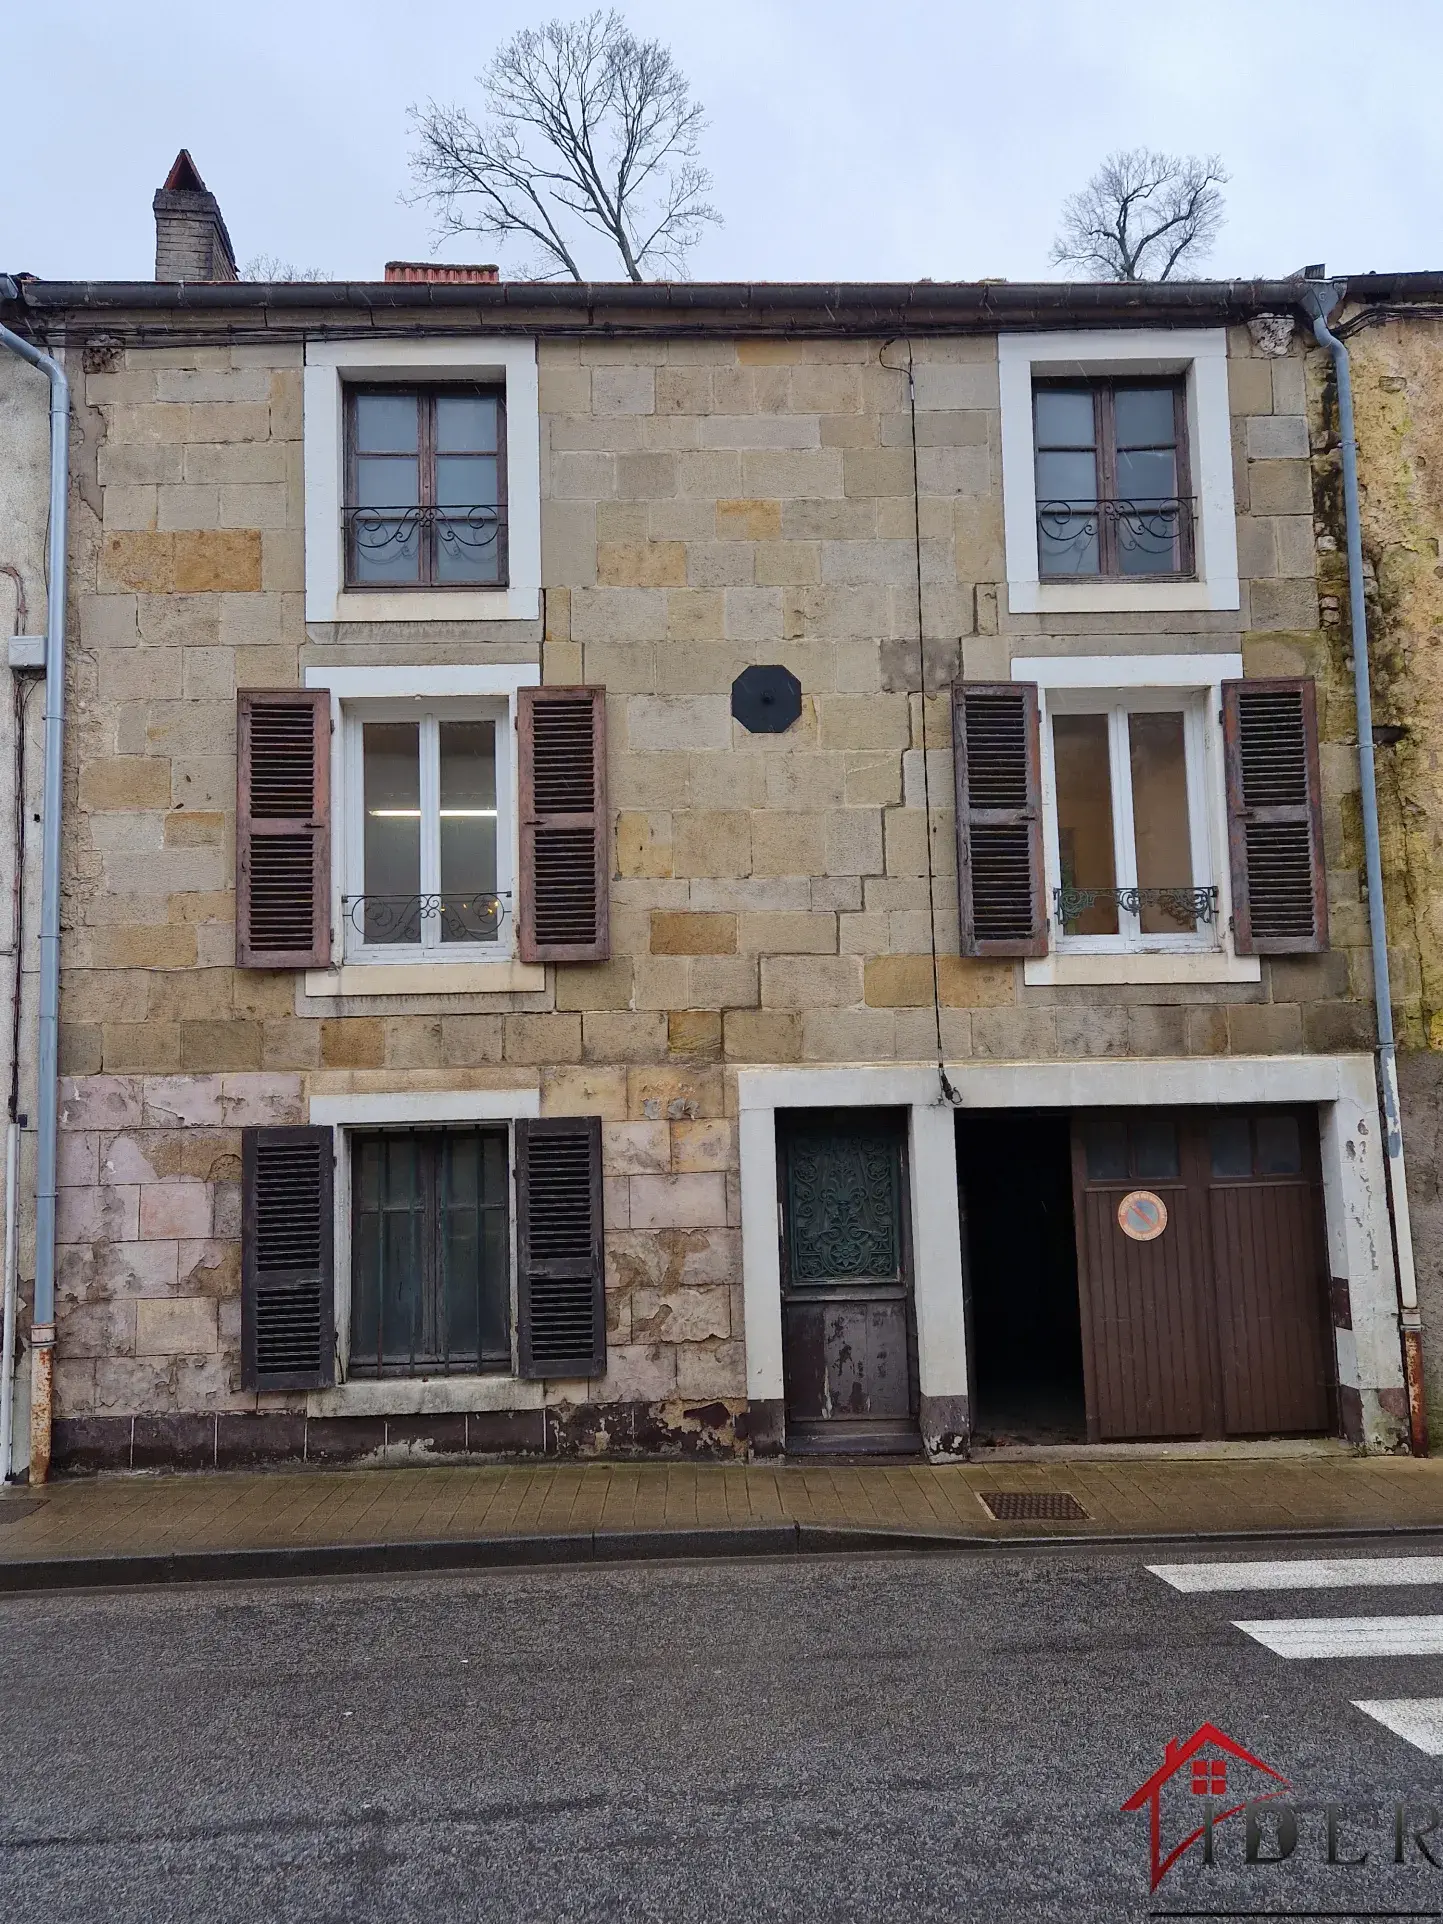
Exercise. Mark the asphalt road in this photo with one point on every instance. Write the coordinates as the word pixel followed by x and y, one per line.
pixel 819 1738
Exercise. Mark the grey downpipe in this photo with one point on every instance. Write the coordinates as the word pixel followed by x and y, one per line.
pixel 1319 300
pixel 42 1330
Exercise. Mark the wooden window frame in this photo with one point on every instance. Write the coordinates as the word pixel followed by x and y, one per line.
pixel 375 1369
pixel 426 393
pixel 1104 390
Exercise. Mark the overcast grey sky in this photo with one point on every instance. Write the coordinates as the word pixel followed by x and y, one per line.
pixel 855 139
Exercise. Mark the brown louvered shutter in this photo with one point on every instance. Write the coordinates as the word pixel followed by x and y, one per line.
pixel 996 753
pixel 565 859
pixel 561 1291
pixel 1275 817
pixel 287 1263
pixel 283 841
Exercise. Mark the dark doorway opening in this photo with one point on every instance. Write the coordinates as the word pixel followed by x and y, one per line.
pixel 1014 1174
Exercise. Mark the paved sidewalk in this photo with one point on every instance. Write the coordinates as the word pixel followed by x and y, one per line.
pixel 137 1528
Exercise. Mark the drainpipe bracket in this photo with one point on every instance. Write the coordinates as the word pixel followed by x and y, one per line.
pixel 1318 299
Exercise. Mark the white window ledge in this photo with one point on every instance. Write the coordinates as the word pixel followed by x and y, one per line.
pixel 426 1396
pixel 1199 354
pixel 427 978
pixel 329 364
pixel 1106 970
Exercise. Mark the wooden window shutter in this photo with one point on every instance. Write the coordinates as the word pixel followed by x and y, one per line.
pixel 565 831
pixel 1275 817
pixel 283 839
pixel 288 1316
pixel 561 1282
pixel 997 757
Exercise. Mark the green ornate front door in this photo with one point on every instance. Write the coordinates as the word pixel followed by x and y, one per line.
pixel 849 1343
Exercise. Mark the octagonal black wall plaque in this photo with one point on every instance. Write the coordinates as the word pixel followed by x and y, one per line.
pixel 766 701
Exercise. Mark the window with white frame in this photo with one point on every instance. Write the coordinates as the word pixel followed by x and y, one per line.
pixel 429 830
pixel 1126 807
pixel 1117 485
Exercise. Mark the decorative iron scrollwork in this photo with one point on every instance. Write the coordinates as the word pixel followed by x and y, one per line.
pixel 399 918
pixel 1142 526
pixel 1185 906
pixel 464 532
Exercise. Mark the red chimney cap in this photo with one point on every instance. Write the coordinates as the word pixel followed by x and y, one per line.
pixel 184 176
pixel 438 271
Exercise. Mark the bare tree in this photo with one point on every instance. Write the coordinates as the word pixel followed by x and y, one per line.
pixel 586 127
pixel 1142 215
pixel 270 267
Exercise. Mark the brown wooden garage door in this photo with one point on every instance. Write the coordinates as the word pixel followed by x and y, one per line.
pixel 1211 1318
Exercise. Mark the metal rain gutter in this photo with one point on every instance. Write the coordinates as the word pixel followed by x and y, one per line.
pixel 42 1329
pixel 1319 299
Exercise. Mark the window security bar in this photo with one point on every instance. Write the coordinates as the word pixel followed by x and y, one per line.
pixel 398 918
pixel 467 533
pixel 1185 906
pixel 1143 525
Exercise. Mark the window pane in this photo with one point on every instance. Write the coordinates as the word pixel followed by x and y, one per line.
pixel 1105 1142
pixel 466 423
pixel 1160 819
pixel 1064 417
pixel 1231 1145
pixel 1280 1149
pixel 1066 523
pixel 386 481
pixel 1154 1148
pixel 392 835
pixel 1146 475
pixel 1084 818
pixel 468 546
pixel 468 831
pixel 466 480
pixel 386 423
pixel 402 1258
pixel 460 1250
pixel 1144 417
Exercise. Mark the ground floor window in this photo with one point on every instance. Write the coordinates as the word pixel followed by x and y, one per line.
pixel 430 1252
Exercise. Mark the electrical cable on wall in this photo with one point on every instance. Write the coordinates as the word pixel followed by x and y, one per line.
pixel 950 1093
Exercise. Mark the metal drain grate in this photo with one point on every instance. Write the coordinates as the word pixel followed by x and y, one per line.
pixel 1032 1506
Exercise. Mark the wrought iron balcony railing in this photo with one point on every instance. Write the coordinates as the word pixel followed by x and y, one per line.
pixel 460 533
pixel 404 918
pixel 1149 529
pixel 1185 906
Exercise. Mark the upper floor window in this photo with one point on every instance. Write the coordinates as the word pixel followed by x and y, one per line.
pixel 1112 488
pixel 425 488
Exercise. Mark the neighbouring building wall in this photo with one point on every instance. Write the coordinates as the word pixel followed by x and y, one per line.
pixel 707 504
pixel 24 516
pixel 1398 400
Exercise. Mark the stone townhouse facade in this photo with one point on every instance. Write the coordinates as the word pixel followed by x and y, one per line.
pixel 729 1092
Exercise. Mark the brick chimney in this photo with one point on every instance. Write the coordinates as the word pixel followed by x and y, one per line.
pixel 191 242
pixel 438 271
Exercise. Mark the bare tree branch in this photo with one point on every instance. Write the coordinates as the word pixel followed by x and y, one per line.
pixel 271 268
pixel 1141 216
pixel 587 128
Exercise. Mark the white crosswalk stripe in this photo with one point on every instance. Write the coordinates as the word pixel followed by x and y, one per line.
pixel 1348 1636
pixel 1303 1573
pixel 1417 1720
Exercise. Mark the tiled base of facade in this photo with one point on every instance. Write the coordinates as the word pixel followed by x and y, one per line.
pixel 85 1445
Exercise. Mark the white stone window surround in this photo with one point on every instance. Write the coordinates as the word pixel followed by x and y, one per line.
pixel 329 365
pixel 1063 681
pixel 1200 355
pixel 495 970
pixel 413 1395
pixel 1355 1206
